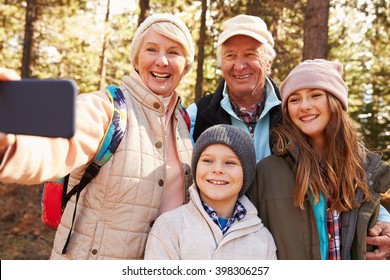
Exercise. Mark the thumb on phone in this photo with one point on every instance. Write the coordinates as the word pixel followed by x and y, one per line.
pixel 8 74
pixel 5 141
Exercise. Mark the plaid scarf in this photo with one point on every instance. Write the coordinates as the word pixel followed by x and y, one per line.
pixel 239 214
pixel 333 222
pixel 334 232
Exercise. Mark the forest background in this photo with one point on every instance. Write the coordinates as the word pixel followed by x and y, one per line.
pixel 88 41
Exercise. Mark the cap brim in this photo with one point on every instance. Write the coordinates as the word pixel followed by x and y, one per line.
pixel 225 36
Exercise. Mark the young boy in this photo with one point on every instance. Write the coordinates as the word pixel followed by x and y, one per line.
pixel 219 222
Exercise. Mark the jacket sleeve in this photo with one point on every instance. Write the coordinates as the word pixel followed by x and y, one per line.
pixel 34 160
pixel 383 215
pixel 162 241
pixel 378 178
pixel 381 179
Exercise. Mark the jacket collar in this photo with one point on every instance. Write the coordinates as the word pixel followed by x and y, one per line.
pixel 145 96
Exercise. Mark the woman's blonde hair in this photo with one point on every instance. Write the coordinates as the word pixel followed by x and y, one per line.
pixel 168 26
pixel 339 174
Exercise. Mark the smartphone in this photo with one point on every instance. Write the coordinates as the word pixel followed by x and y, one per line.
pixel 38 107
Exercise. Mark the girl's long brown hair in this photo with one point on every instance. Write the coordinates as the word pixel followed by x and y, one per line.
pixel 339 174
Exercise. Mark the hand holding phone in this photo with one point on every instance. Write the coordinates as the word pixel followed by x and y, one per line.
pixel 38 107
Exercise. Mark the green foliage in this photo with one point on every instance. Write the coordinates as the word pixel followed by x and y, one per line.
pixel 359 40
pixel 121 31
pixel 11 34
pixel 285 22
pixel 69 35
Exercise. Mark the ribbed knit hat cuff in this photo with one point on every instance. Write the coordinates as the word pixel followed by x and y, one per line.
pixel 316 74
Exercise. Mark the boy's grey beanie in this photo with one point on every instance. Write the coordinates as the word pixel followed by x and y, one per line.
pixel 235 138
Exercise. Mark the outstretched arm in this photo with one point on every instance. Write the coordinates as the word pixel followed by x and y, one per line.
pixel 6 139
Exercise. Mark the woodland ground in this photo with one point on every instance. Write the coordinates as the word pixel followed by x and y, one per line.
pixel 22 234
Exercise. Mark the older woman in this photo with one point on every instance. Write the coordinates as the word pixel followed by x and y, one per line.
pixel 148 174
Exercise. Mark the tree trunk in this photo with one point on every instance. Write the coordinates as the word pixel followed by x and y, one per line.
pixel 144 10
pixel 28 40
pixel 201 45
pixel 253 7
pixel 103 59
pixel 315 38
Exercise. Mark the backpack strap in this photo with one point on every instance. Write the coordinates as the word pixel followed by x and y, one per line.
pixel 185 116
pixel 110 142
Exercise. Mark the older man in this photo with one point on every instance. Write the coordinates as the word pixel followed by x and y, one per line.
pixel 249 99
